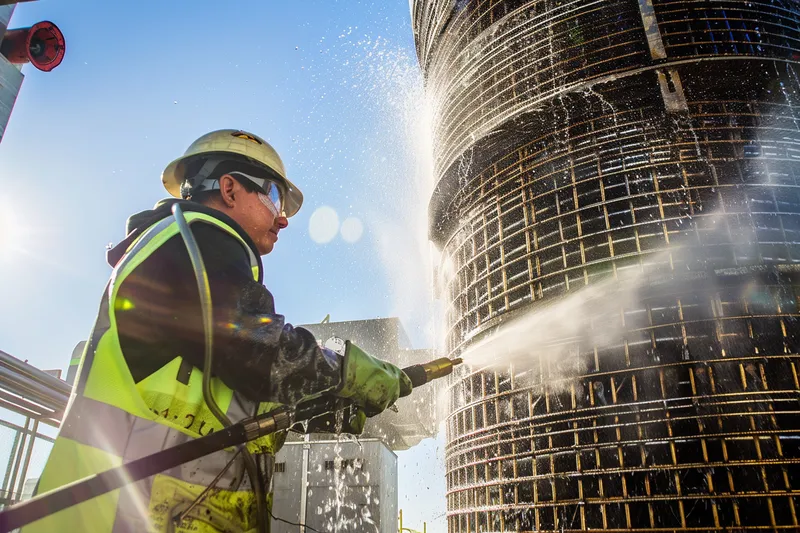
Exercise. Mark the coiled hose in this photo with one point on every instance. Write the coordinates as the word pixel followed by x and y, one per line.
pixel 204 289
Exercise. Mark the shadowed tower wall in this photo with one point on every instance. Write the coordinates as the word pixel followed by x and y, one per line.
pixel 649 149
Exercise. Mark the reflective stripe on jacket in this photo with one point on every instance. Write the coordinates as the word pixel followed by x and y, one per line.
pixel 112 420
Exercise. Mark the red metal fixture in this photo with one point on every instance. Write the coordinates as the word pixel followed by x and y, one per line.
pixel 42 45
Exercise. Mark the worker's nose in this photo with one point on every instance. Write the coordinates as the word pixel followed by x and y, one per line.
pixel 282 222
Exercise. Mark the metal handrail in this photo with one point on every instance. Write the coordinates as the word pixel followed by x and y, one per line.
pixel 26 390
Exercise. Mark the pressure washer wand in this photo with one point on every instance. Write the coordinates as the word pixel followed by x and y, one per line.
pixel 252 428
pixel 439 368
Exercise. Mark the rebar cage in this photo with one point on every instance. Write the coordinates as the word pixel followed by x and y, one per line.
pixel 650 149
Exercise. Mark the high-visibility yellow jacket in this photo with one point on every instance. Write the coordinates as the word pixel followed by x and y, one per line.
pixel 112 419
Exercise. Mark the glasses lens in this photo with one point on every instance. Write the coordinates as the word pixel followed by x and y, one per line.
pixel 270 188
pixel 275 196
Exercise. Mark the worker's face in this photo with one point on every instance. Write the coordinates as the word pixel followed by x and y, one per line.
pixel 251 214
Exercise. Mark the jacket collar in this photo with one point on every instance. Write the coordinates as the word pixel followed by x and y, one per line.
pixel 139 222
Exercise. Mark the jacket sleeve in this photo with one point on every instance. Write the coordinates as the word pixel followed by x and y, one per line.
pixel 255 351
pixel 261 343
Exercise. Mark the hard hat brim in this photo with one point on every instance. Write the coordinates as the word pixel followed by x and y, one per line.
pixel 173 177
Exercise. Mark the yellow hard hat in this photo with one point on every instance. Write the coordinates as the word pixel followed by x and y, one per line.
pixel 243 146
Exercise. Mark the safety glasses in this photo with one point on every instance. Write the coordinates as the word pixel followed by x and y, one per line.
pixel 271 194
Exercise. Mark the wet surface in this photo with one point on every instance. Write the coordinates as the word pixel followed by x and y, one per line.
pixel 617 204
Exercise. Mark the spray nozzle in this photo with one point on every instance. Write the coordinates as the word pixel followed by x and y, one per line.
pixel 439 368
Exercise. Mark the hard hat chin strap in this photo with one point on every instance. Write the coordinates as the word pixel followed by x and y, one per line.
pixel 200 182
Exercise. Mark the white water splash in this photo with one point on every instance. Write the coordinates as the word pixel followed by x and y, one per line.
pixel 406 185
pixel 556 325
pixel 373 78
pixel 591 315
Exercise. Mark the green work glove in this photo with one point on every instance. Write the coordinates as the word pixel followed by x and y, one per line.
pixel 371 383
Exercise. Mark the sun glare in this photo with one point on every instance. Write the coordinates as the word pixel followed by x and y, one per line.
pixel 12 233
pixel 7 229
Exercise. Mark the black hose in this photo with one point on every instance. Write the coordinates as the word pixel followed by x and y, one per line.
pixel 79 491
pixel 85 489
pixel 206 309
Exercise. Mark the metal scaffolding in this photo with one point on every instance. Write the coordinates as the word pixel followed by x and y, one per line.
pixel 34 399
pixel 652 147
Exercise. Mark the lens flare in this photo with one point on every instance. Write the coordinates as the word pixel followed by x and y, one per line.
pixel 323 225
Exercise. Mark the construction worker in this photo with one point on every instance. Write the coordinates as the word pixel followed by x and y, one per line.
pixel 140 384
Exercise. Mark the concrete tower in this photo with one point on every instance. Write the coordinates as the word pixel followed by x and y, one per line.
pixel 618 207
pixel 10 75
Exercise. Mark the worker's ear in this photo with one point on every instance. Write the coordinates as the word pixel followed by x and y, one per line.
pixel 228 187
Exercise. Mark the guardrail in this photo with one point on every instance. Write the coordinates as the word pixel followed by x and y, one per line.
pixel 39 398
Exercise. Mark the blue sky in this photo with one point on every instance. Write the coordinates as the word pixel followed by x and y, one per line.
pixel 334 86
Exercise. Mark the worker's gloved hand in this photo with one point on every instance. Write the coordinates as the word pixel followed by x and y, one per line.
pixel 370 383
pixel 347 418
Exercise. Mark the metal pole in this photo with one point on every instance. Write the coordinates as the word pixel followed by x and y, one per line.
pixel 27 462
pixel 34 374
pixel 33 408
pixel 17 433
pixel 304 484
pixel 18 459
pixel 17 429
pixel 32 389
